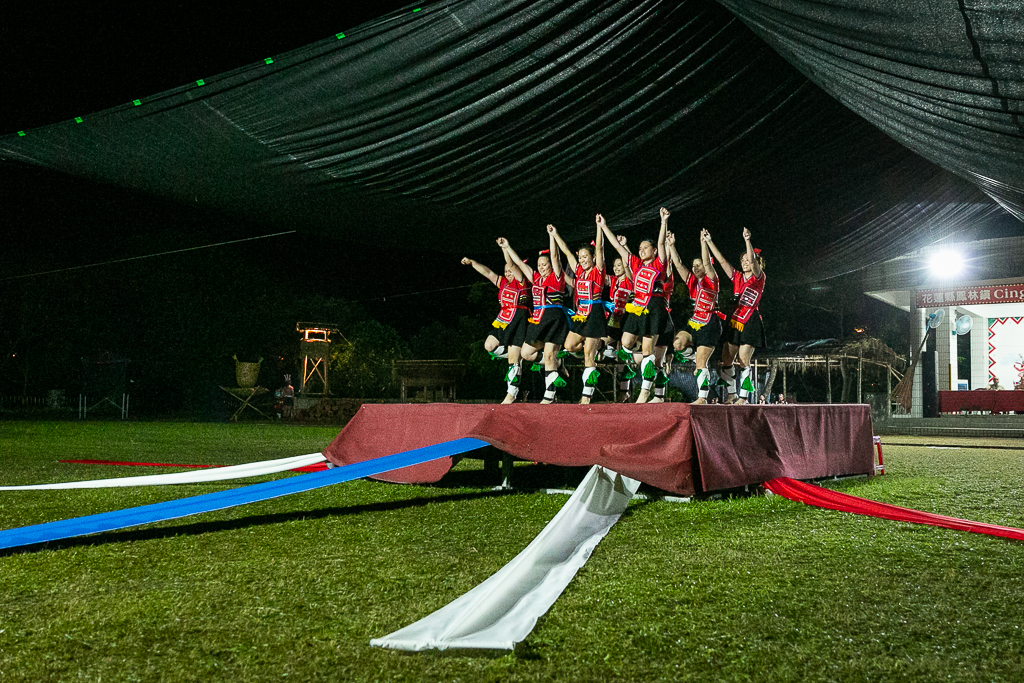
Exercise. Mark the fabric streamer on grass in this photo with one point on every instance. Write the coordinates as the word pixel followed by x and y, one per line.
pixel 843 502
pixel 502 610
pixel 219 500
pixel 252 469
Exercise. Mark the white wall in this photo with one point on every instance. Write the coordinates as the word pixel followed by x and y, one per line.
pixel 979 352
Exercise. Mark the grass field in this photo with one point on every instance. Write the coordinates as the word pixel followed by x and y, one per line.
pixel 747 589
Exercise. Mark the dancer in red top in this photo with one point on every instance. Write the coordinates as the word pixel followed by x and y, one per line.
pixel 747 331
pixel 506 340
pixel 665 339
pixel 704 328
pixel 549 324
pixel 620 290
pixel 646 317
pixel 589 321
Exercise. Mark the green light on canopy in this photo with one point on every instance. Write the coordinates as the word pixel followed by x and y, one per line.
pixel 21 133
pixel 200 82
pixel 137 102
pixel 339 36
pixel 417 9
pixel 78 119
pixel 268 60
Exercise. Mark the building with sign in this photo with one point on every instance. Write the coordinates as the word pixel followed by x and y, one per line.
pixel 978 338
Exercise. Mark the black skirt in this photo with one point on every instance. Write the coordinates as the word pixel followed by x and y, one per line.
pixel 654 323
pixel 594 326
pixel 752 333
pixel 514 333
pixel 706 335
pixel 553 327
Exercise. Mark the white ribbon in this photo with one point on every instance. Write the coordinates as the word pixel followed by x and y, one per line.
pixel 252 469
pixel 502 610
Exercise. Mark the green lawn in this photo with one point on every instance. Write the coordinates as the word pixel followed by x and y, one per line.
pixel 748 589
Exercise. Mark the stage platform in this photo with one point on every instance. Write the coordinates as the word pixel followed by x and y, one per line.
pixel 676 447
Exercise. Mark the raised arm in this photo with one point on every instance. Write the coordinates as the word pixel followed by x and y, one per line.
pixel 755 263
pixel 662 254
pixel 613 240
pixel 482 269
pixel 670 246
pixel 511 253
pixel 517 268
pixel 726 266
pixel 705 256
pixel 599 249
pixel 556 263
pixel 570 258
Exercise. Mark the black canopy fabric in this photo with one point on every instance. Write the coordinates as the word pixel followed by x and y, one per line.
pixel 946 79
pixel 454 123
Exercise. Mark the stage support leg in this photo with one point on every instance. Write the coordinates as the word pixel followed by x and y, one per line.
pixel 506 471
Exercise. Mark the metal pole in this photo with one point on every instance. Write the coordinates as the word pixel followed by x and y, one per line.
pixel 757 388
pixel 888 390
pixel 828 374
pixel 785 392
pixel 860 374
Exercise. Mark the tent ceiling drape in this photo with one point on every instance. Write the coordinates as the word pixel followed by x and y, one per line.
pixel 471 119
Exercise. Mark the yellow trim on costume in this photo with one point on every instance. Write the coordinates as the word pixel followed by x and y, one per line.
pixel 694 325
pixel 637 310
pixel 736 324
pixel 498 324
pixel 580 318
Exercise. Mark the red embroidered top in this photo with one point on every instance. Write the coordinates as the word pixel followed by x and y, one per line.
pixel 749 291
pixel 588 288
pixel 648 278
pixel 620 288
pixel 512 294
pixel 704 293
pixel 547 292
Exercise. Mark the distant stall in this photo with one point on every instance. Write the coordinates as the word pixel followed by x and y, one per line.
pixel 850 358
pixel 428 380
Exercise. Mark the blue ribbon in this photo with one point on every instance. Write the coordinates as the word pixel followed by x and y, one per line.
pixel 219 500
pixel 569 313
pixel 607 304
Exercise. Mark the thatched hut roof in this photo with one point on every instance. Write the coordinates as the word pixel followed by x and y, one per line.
pixel 814 353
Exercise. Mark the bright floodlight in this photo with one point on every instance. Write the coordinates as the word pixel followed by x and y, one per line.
pixel 946 263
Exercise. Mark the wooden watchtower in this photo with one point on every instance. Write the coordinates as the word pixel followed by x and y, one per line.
pixel 314 349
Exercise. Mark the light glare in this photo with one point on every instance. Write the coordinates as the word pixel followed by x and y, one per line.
pixel 946 263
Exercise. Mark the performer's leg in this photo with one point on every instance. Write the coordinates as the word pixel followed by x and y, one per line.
pixel 512 377
pixel 552 380
pixel 661 379
pixel 609 348
pixel 703 374
pixel 648 370
pixel 729 352
pixel 745 384
pixel 590 373
pixel 626 345
pixel 494 347
pixel 574 343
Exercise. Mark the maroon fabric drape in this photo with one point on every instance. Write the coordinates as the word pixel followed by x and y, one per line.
pixel 842 502
pixel 675 447
pixel 741 445
pixel 650 443
pixel 981 400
